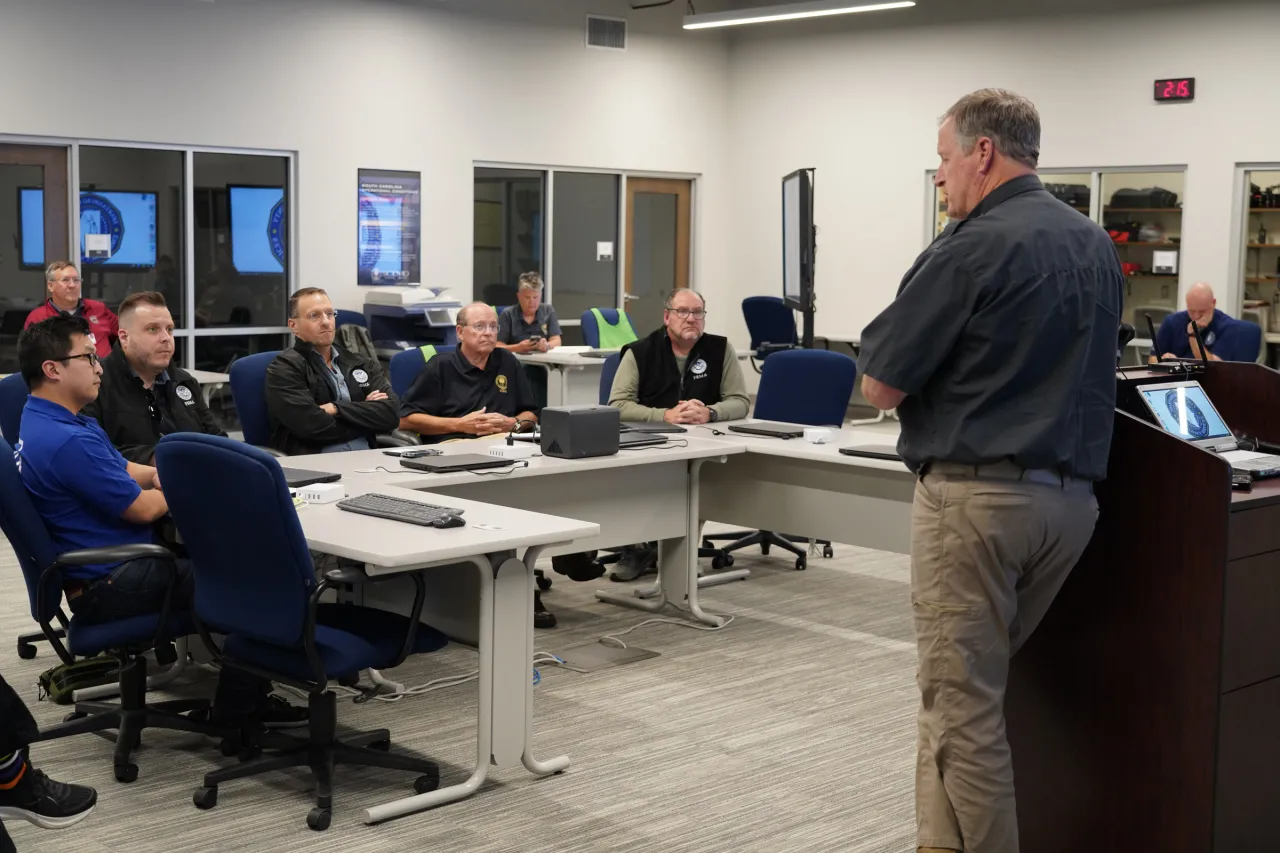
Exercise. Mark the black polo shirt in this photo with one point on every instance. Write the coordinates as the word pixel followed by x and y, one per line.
pixel 451 387
pixel 1003 336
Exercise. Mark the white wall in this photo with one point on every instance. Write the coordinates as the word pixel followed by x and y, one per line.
pixel 862 108
pixel 376 84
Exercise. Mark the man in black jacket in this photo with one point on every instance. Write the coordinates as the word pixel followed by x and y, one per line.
pixel 322 398
pixel 144 396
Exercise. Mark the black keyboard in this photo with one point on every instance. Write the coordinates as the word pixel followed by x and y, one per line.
pixel 397 509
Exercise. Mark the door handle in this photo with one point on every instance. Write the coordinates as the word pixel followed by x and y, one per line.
pixel 627 297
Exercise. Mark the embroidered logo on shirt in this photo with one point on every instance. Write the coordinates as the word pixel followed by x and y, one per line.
pixel 92 318
pixel 544 329
pixel 699 367
pixel 184 394
pixel 360 376
pixel 501 382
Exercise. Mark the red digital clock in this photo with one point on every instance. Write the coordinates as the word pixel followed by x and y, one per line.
pixel 1176 89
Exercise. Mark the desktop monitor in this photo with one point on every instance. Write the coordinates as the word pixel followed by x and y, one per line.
pixel 1183 409
pixel 258 228
pixel 118 229
pixel 31 228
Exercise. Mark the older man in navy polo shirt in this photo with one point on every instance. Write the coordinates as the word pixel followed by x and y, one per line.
pixel 92 497
pixel 1225 337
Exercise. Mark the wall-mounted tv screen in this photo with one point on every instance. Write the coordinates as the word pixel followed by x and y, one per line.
pixel 118 229
pixel 258 228
pixel 31 227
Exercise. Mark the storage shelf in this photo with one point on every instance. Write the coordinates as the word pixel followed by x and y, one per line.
pixel 1264 245
pixel 1147 210
pixel 1262 279
pixel 1264 210
pixel 1140 243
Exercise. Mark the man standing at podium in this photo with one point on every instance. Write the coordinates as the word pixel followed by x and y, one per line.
pixel 999 355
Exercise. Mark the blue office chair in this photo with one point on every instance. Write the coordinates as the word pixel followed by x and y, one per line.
pixel 125 639
pixel 1252 333
pixel 407 364
pixel 13 396
pixel 259 589
pixel 771 324
pixel 609 370
pixel 801 386
pixel 345 317
pixel 591 329
pixel 248 391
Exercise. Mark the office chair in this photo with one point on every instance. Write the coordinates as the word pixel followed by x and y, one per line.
pixel 407 364
pixel 345 317
pixel 1253 342
pixel 618 334
pixel 771 324
pixel 13 397
pixel 259 589
pixel 802 386
pixel 125 639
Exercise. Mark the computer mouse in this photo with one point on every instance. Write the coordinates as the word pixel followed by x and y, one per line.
pixel 446 521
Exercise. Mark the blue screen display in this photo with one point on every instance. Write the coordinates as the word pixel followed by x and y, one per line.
pixel 381 236
pixel 1186 412
pixel 258 229
pixel 31 211
pixel 128 219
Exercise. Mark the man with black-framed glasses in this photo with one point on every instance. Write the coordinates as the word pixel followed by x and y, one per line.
pixel 63 298
pixel 144 396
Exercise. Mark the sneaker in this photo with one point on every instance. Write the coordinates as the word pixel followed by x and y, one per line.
pixel 577 567
pixel 636 560
pixel 542 617
pixel 277 713
pixel 48 804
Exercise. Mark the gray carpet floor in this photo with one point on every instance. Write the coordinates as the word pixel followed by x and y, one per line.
pixel 790 730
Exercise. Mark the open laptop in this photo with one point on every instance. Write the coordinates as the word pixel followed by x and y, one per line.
pixel 1183 409
pixel 771 429
pixel 298 477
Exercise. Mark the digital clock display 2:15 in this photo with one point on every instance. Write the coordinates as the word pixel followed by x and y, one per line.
pixel 1176 89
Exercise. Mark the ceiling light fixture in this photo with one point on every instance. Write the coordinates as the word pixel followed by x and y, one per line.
pixel 790 12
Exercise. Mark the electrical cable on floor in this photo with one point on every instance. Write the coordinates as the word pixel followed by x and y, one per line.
pixel 682 623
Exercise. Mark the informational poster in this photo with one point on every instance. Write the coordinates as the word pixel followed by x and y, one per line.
pixel 389 237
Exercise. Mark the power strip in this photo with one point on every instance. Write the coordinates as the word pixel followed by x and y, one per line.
pixel 515 451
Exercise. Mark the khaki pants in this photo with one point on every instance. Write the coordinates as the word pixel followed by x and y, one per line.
pixel 989 551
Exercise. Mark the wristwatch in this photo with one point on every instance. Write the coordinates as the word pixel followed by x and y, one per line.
pixel 715 416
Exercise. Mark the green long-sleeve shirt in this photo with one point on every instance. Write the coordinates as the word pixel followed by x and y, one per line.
pixel 734 402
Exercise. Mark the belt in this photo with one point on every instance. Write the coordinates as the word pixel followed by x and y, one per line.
pixel 999 471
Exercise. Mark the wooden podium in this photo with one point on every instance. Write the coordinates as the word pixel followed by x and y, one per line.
pixel 1144 713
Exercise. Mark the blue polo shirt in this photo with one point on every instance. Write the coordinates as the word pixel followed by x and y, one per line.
pixel 1225 336
pixel 78 481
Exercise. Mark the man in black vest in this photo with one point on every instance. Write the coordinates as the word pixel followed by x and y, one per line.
pixel 679 375
pixel 144 395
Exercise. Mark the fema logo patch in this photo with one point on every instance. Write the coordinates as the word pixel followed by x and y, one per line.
pixel 501 382
pixel 370 241
pixel 184 394
pixel 100 216
pixel 360 376
pixel 699 367
pixel 275 231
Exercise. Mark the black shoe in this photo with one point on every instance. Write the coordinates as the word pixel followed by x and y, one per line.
pixel 277 713
pixel 542 617
pixel 577 567
pixel 48 804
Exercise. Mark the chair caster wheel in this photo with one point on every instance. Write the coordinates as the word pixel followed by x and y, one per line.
pixel 126 772
pixel 801 564
pixel 718 563
pixel 381 745
pixel 828 552
pixel 26 651
pixel 544 584
pixel 427 782
pixel 728 560
pixel 764 548
pixel 205 798
pixel 318 819
pixel 73 716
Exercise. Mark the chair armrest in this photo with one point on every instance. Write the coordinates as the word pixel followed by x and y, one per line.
pixel 397 438
pixel 113 554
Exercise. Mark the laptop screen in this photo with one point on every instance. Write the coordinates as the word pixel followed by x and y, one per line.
pixel 1184 410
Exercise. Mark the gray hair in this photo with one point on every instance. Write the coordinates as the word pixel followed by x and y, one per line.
pixel 666 303
pixel 1008 119
pixel 51 271
pixel 530 281
pixel 465 311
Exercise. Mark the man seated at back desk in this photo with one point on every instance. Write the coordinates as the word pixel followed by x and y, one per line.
pixel 143 395
pixel 679 375
pixel 1225 337
pixel 478 389
pixel 322 398
pixel 92 497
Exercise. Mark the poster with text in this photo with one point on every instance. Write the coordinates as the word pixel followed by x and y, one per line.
pixel 389 227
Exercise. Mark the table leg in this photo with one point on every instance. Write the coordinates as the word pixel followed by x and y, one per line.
pixel 557 388
pixel 532 764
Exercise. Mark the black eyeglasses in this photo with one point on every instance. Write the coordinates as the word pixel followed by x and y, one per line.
pixel 91 357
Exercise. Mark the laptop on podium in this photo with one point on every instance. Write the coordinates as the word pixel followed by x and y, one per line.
pixel 1184 409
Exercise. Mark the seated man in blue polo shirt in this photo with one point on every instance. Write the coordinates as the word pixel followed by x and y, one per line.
pixel 1225 337
pixel 91 497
